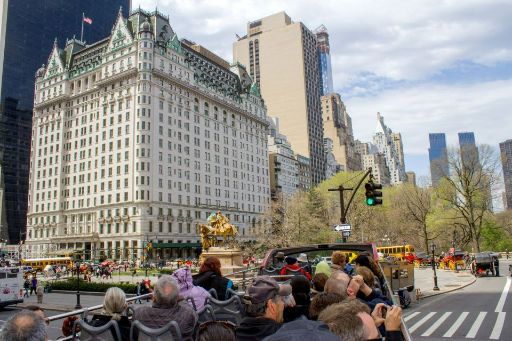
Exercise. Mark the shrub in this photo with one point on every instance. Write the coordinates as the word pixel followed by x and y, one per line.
pixel 71 285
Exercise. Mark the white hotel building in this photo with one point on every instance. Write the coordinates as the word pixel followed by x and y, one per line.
pixel 139 137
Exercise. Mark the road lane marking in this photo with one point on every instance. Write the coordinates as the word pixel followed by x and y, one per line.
pixel 456 325
pixel 437 324
pixel 421 322
pixel 476 325
pixel 503 297
pixel 408 317
pixel 498 326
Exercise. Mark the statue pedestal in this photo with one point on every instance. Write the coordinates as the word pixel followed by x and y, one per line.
pixel 230 259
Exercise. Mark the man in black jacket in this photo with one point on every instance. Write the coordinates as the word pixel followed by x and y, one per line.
pixel 264 306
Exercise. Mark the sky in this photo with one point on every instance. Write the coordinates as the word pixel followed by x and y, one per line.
pixel 426 66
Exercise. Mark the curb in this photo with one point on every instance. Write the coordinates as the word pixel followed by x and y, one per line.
pixel 450 290
pixel 85 293
pixel 53 307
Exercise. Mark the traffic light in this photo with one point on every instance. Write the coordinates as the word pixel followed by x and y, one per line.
pixel 149 246
pixel 373 197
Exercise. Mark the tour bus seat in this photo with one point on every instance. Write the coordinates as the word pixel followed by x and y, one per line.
pixel 170 332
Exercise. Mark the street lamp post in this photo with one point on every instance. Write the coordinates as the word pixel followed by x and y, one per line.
pixel 433 247
pixel 78 305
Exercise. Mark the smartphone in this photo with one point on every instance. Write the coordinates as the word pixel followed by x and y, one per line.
pixel 384 310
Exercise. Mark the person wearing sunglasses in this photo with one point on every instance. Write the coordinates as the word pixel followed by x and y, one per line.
pixel 264 305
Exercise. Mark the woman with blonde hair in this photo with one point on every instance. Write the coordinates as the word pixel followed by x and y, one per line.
pixel 114 305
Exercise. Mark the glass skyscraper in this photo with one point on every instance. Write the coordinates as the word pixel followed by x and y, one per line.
pixel 438 157
pixel 468 149
pixel 324 60
pixel 467 139
pixel 27 31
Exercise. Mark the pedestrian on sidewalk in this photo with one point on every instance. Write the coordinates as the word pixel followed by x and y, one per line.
pixel 34 285
pixel 26 286
pixel 39 293
pixel 139 292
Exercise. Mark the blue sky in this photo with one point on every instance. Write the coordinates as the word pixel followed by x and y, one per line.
pixel 427 66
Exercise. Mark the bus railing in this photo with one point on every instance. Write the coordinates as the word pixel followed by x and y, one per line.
pixel 84 311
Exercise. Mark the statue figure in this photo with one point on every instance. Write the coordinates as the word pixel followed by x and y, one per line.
pixel 218 225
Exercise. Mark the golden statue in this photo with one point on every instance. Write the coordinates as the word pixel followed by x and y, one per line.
pixel 218 225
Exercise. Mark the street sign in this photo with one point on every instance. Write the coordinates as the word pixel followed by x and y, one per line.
pixel 346 233
pixel 342 227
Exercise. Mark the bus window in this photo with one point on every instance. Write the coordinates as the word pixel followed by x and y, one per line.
pixel 2 275
pixel 412 249
pixel 12 275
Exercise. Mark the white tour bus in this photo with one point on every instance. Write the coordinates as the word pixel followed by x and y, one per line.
pixel 11 286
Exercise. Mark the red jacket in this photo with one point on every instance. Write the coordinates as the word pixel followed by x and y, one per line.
pixel 295 267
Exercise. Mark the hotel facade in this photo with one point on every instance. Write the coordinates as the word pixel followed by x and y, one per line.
pixel 139 137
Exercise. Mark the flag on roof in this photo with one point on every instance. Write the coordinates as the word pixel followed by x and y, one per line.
pixel 87 20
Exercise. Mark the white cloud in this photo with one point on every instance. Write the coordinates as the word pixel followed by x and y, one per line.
pixel 400 40
pixel 416 111
pixel 386 54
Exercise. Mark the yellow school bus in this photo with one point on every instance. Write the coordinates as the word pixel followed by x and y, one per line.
pixel 40 263
pixel 401 252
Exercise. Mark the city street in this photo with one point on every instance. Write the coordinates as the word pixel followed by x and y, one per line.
pixel 481 311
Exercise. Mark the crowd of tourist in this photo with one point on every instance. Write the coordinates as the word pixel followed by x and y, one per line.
pixel 336 302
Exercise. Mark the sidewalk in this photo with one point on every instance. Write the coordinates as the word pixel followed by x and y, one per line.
pixel 447 281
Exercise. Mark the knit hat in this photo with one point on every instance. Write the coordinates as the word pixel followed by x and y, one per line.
pixel 290 260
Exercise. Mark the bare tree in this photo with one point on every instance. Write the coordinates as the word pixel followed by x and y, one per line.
pixel 296 220
pixel 468 189
pixel 414 205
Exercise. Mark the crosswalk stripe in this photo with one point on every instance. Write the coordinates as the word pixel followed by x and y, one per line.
pixel 476 325
pixel 456 325
pixel 408 317
pixel 436 324
pixel 421 322
pixel 498 326
pixel 503 297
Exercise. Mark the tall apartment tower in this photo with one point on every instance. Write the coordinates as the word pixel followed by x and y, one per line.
pixel 438 157
pixel 506 162
pixel 338 127
pixel 468 148
pixel 139 137
pixel 27 30
pixel 281 56
pixel 383 139
pixel 331 165
pixel 324 60
pixel 399 148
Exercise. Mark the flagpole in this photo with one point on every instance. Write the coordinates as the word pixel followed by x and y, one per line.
pixel 82 34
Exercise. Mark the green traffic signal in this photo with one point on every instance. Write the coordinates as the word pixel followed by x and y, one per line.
pixel 373 197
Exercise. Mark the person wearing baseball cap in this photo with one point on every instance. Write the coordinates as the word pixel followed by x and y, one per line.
pixel 264 305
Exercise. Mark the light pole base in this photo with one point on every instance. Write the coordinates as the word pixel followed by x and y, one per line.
pixel 78 305
pixel 436 288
